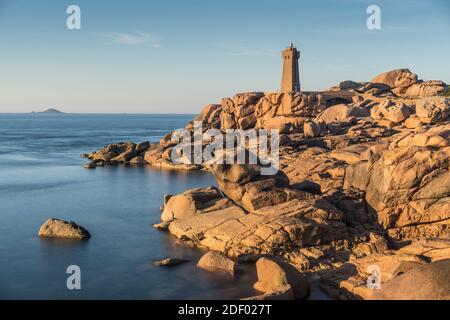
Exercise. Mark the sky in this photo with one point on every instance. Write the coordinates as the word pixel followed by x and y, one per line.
pixel 159 56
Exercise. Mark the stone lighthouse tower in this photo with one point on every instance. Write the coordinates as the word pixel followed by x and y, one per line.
pixel 290 80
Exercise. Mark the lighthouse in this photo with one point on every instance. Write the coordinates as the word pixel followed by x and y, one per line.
pixel 290 79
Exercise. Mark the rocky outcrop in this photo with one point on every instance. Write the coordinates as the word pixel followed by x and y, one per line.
pixel 55 228
pixel 370 108
pixel 406 184
pixel 395 112
pixel 273 228
pixel 122 152
pixel 405 84
pixel 245 185
pixel 364 167
pixel 192 202
pixel 417 271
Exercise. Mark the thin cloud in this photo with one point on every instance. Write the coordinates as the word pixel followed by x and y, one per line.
pixel 135 38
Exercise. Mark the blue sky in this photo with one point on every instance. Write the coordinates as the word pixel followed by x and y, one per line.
pixel 176 56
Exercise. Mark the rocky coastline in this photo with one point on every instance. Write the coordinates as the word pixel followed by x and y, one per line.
pixel 364 183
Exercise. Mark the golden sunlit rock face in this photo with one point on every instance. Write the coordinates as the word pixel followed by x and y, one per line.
pixel 363 167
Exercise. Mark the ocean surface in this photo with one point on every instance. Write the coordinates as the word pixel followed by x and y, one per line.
pixel 41 176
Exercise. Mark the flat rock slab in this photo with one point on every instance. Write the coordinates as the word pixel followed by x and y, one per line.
pixel 235 232
pixel 194 227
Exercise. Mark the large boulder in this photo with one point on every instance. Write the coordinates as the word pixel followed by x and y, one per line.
pixel 238 112
pixel 191 202
pixel 311 129
pixel 426 89
pixel 55 228
pixel 434 137
pixel 388 109
pixel 227 121
pixel 423 282
pixel 287 111
pixel 341 112
pixel 277 276
pixel 210 115
pixel 112 151
pixel 400 78
pixel 214 261
pixel 433 109
pixel 348 84
pixel 247 98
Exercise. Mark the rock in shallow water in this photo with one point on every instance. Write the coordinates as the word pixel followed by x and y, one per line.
pixel 169 262
pixel 214 261
pixel 55 228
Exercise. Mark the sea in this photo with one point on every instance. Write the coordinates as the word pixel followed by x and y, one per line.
pixel 41 177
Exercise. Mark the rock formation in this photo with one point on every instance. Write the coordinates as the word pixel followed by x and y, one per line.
pixel 214 261
pixel 364 171
pixel 55 228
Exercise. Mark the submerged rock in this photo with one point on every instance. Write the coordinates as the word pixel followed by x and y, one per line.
pixel 169 262
pixel 55 228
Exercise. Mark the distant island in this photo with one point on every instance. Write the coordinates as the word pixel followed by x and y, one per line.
pixel 51 110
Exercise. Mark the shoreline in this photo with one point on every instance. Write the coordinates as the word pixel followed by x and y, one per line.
pixel 329 209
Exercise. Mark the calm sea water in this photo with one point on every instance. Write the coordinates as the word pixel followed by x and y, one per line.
pixel 41 176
